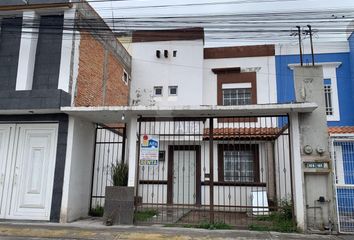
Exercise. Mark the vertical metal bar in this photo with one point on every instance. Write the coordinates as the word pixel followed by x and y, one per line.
pixel 138 165
pixel 211 166
pixel 312 54
pixel 291 172
pixel 300 46
pixel 123 142
pixel 93 168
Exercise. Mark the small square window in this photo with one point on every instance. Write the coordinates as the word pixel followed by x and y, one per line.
pixel 125 77
pixel 172 90
pixel 175 53
pixel 157 91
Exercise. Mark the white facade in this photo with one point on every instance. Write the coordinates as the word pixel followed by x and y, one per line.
pixel 185 71
pixel 263 66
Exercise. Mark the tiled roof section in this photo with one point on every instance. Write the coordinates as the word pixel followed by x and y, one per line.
pixel 341 130
pixel 265 133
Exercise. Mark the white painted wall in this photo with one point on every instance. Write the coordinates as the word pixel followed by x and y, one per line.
pixel 319 47
pixel 184 71
pixel 78 170
pixel 67 51
pixel 27 53
pixel 266 77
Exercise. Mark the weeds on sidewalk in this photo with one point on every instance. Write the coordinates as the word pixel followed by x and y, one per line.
pixel 203 225
pixel 280 221
pixel 145 215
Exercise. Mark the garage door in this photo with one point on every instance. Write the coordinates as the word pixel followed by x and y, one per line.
pixel 27 170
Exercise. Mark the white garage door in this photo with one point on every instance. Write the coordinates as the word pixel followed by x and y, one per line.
pixel 27 170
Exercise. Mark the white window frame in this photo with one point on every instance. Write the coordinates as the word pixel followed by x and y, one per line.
pixel 158 87
pixel 169 91
pixel 329 72
pixel 225 86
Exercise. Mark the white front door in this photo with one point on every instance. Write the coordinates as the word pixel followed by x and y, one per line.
pixel 6 140
pixel 184 179
pixel 31 177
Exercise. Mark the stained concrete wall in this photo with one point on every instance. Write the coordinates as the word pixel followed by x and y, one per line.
pixel 314 134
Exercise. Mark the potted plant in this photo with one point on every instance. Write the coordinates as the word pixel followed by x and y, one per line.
pixel 119 201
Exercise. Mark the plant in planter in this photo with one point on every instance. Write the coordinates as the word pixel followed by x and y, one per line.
pixel 119 202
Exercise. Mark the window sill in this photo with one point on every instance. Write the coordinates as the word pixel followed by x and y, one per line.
pixel 236 184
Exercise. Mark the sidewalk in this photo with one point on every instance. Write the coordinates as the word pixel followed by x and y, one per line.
pixel 79 230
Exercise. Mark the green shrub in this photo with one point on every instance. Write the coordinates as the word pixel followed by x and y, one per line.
pixel 119 173
pixel 97 211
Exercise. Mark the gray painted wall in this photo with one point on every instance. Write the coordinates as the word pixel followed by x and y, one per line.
pixel 47 65
pixel 10 39
pixel 21 2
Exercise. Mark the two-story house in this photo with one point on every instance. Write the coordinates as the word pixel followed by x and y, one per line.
pixel 53 54
pixel 246 157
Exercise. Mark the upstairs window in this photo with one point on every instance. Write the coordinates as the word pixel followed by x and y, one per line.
pixel 158 91
pixel 237 94
pixel 328 97
pixel 125 77
pixel 172 90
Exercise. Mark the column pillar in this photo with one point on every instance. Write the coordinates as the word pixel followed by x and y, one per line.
pixel 132 150
pixel 298 178
pixel 27 53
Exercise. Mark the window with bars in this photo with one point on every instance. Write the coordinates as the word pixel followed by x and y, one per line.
pixel 237 96
pixel 238 166
pixel 328 99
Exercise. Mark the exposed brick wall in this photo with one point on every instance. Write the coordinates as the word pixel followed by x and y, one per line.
pixel 117 90
pixel 99 81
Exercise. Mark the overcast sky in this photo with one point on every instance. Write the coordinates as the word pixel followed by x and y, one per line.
pixel 141 10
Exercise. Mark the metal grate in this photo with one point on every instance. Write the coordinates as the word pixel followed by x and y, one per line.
pixel 109 148
pixel 225 170
pixel 328 99
pixel 343 155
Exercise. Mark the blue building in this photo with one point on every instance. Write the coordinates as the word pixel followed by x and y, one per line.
pixel 337 60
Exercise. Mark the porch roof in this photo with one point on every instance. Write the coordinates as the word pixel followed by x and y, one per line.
pixel 252 133
pixel 114 114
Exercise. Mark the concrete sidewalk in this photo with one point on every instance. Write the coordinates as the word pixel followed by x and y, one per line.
pixel 17 230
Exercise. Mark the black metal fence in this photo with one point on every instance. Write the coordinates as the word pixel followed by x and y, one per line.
pixel 109 148
pixel 230 171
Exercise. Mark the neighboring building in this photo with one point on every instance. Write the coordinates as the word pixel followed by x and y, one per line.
pixel 53 54
pixel 337 61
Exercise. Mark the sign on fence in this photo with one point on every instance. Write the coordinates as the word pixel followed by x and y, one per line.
pixel 149 150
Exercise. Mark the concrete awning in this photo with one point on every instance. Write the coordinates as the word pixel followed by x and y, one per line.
pixel 106 115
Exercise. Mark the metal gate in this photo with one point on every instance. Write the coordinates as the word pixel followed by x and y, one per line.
pixel 230 171
pixel 109 148
pixel 343 156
